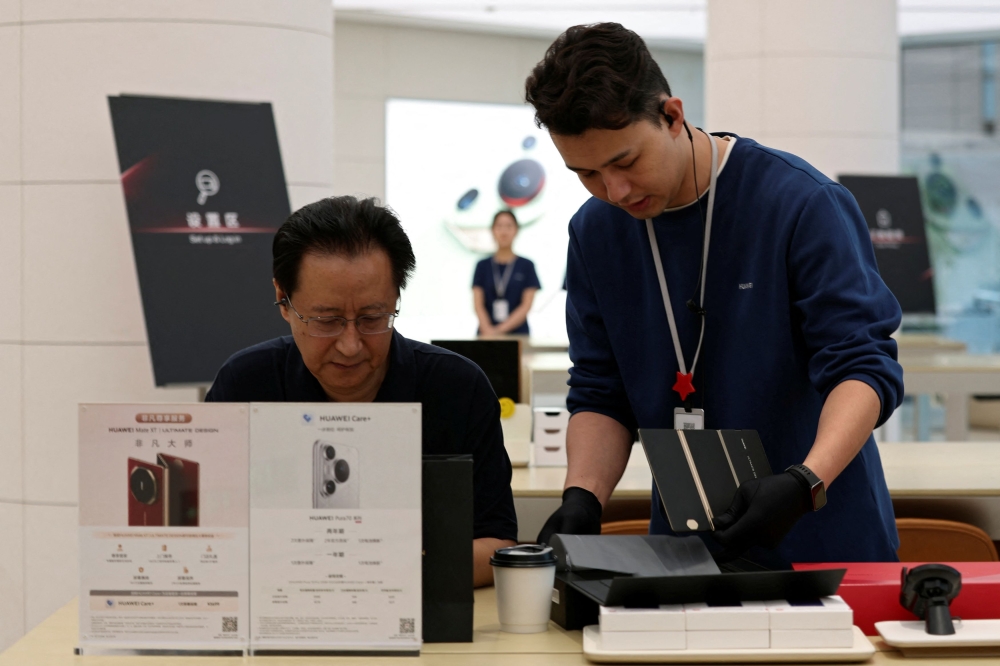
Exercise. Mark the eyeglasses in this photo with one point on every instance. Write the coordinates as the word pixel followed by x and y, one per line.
pixel 331 327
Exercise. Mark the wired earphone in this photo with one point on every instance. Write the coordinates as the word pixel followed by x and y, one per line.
pixel 692 304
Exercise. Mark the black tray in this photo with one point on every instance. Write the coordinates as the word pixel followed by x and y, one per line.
pixel 609 589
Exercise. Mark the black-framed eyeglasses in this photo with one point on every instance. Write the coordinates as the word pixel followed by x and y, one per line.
pixel 332 326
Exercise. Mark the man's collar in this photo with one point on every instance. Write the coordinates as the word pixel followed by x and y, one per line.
pixel 400 379
pixel 300 384
pixel 397 386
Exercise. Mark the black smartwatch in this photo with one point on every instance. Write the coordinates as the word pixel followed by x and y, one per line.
pixel 815 485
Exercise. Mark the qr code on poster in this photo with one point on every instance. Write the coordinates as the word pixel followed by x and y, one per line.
pixel 406 625
pixel 229 625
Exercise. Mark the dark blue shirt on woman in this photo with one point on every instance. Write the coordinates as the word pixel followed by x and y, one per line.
pixel 522 277
pixel 795 306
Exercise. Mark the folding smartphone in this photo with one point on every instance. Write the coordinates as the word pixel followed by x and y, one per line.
pixel 335 476
pixel 147 494
pixel 697 472
pixel 182 493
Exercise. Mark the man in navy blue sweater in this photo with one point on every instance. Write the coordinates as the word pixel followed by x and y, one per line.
pixel 709 272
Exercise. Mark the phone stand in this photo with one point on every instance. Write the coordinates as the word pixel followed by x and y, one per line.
pixel 927 592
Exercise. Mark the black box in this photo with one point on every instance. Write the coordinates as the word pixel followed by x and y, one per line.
pixel 571 608
pixel 447 539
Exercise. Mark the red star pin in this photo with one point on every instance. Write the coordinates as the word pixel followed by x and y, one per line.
pixel 684 385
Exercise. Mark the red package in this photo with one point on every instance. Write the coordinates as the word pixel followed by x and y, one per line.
pixel 871 589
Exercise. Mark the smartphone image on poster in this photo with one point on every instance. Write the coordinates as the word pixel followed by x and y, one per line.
pixel 182 490
pixel 147 494
pixel 335 476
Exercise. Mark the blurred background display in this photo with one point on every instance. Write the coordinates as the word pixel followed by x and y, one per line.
pixel 949 142
pixel 450 167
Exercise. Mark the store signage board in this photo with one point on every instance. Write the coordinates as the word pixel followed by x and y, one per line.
pixel 164 517
pixel 205 191
pixel 892 209
pixel 335 527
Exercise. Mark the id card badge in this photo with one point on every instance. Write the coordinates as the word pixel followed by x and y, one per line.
pixel 501 310
pixel 685 420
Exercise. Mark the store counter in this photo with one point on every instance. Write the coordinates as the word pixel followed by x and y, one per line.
pixel 956 377
pixel 950 480
pixel 51 644
pixel 931 366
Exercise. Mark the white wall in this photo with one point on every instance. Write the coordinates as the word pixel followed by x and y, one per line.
pixel 71 328
pixel 819 79
pixel 376 61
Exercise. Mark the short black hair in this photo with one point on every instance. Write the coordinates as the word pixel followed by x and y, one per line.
pixel 505 211
pixel 341 225
pixel 598 76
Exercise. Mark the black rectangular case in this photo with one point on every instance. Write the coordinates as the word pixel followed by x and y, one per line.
pixel 447 564
pixel 697 472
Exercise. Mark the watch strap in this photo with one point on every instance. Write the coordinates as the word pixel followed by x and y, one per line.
pixel 812 483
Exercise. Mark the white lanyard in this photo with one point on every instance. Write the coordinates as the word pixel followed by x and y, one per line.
pixel 500 284
pixel 704 268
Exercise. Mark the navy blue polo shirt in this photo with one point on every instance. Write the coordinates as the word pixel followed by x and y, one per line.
pixel 795 306
pixel 523 276
pixel 461 414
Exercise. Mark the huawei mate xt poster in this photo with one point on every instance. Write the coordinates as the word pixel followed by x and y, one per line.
pixel 205 191
pixel 163 526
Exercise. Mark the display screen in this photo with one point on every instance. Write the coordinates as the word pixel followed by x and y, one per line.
pixel 500 360
pixel 449 168
pixel 205 191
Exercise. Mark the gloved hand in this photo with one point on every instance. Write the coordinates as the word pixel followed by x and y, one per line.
pixel 762 513
pixel 580 513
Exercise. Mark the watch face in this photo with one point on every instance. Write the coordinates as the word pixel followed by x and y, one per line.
pixel 819 496
pixel 816 486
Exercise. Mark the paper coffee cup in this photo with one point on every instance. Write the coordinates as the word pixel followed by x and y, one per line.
pixel 523 576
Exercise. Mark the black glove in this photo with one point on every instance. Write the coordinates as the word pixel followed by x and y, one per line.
pixel 762 513
pixel 580 513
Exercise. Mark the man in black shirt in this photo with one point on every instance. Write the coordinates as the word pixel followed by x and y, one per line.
pixel 339 267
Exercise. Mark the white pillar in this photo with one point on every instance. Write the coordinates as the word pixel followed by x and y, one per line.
pixel 817 78
pixel 71 325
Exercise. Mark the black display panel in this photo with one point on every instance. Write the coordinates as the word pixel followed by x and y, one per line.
pixel 891 206
pixel 447 564
pixel 499 359
pixel 205 191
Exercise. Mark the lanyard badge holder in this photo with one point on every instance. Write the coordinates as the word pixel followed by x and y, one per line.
pixel 685 418
pixel 501 306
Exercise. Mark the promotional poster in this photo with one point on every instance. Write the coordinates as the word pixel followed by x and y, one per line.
pixel 205 191
pixel 164 520
pixel 335 527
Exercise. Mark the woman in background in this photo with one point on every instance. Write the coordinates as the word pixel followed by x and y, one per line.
pixel 504 285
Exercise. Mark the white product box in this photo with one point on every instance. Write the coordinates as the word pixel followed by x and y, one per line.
pixel 737 639
pixel 826 613
pixel 749 615
pixel 550 436
pixel 812 638
pixel 643 640
pixel 619 619
pixel 517 435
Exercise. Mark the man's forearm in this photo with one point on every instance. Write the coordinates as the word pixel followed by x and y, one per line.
pixel 849 415
pixel 482 550
pixel 597 448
